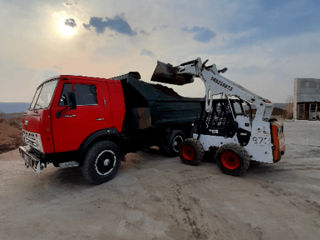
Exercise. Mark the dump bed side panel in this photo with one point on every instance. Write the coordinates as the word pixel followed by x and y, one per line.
pixel 150 105
pixel 175 112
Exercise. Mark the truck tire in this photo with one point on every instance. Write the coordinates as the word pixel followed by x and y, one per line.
pixel 101 162
pixel 191 152
pixel 232 159
pixel 172 143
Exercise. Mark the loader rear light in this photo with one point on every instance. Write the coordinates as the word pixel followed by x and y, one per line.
pixel 277 139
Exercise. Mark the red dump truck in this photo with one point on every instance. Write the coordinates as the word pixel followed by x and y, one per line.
pixel 87 122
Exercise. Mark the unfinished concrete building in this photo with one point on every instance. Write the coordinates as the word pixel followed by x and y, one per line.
pixel 306 99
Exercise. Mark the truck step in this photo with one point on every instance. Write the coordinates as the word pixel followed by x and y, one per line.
pixel 69 164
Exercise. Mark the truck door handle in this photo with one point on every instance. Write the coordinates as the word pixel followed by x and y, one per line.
pixel 70 116
pixel 99 119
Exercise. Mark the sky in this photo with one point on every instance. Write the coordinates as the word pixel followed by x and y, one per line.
pixel 264 44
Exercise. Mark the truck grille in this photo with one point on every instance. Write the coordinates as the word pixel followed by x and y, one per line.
pixel 32 139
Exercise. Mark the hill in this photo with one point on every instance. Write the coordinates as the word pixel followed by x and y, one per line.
pixel 13 107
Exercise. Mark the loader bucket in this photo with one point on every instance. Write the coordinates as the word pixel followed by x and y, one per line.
pixel 166 73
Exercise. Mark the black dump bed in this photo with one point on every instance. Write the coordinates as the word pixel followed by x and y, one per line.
pixel 154 105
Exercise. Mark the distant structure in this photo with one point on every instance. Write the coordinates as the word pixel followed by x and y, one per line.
pixel 306 99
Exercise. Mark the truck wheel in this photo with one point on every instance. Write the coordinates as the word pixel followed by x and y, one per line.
pixel 101 162
pixel 191 152
pixel 172 143
pixel 232 159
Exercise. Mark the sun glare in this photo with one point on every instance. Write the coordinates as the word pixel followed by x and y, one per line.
pixel 66 30
pixel 66 25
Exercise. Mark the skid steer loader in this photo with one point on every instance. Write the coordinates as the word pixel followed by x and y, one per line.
pixel 228 126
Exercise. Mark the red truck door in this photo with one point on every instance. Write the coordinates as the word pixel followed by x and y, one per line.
pixel 91 114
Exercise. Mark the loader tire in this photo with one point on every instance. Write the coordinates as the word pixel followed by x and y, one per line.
pixel 192 152
pixel 101 162
pixel 172 143
pixel 232 159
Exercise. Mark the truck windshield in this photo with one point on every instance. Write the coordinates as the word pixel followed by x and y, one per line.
pixel 43 95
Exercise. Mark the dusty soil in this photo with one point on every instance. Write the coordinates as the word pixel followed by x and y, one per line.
pixel 154 197
pixel 10 132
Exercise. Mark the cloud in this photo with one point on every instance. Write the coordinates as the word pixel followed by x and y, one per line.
pixel 156 28
pixel 201 34
pixel 143 32
pixel 146 52
pixel 117 24
pixel 69 3
pixel 70 22
pixel 87 26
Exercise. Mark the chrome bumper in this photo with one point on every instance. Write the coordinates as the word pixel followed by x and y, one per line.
pixel 30 160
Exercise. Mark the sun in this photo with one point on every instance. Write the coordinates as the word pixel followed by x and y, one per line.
pixel 66 25
pixel 64 29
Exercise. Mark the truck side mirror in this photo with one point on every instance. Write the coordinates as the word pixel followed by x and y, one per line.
pixel 71 100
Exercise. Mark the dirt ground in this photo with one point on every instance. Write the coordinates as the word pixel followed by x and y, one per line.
pixel 154 197
pixel 10 132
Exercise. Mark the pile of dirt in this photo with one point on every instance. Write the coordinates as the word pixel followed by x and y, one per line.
pixel 10 133
pixel 131 160
pixel 166 90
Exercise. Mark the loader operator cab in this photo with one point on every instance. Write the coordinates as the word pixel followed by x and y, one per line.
pixel 229 117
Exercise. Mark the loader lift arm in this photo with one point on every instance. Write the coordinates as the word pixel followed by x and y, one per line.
pixel 216 84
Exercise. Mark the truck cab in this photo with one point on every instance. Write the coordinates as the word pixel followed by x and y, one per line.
pixel 64 112
pixel 67 109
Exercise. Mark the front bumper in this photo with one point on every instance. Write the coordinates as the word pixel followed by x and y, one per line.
pixel 30 160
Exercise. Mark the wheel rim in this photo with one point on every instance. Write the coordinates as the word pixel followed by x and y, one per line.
pixel 230 160
pixel 188 152
pixel 105 162
pixel 176 142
